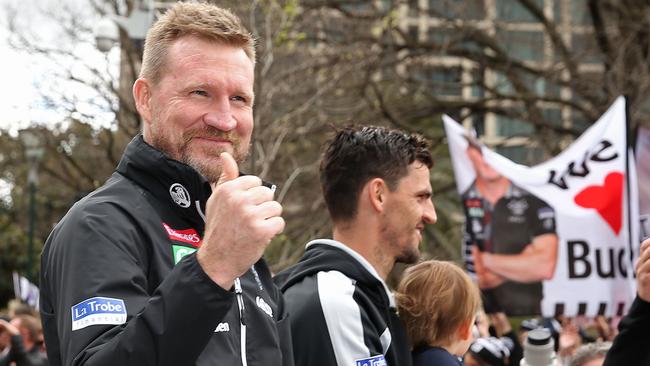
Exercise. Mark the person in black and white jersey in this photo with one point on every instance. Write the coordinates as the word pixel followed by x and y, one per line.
pixel 377 190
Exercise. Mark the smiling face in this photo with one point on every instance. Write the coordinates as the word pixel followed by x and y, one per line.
pixel 202 105
pixel 408 209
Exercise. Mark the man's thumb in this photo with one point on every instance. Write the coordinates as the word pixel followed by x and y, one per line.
pixel 229 168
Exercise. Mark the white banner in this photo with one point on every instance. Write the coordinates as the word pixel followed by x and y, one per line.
pixel 553 237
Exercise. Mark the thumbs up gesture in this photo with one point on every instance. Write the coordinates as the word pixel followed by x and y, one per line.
pixel 241 219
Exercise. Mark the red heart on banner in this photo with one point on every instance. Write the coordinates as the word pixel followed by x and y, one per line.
pixel 606 199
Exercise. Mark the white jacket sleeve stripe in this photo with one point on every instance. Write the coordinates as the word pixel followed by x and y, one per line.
pixel 342 316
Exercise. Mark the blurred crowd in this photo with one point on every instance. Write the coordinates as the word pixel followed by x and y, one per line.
pixel 577 341
pixel 21 337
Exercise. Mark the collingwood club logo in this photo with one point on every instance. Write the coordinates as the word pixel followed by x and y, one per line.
pixel 180 195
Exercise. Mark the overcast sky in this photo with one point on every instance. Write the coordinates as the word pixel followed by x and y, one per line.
pixel 16 90
pixel 24 77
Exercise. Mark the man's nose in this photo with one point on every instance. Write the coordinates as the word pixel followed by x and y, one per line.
pixel 429 215
pixel 220 116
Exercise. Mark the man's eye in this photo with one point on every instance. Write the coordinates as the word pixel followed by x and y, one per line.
pixel 202 93
pixel 238 98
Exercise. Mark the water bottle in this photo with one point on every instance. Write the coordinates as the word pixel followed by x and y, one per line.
pixel 539 349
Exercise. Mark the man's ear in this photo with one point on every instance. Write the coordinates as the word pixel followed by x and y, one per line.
pixel 142 98
pixel 376 190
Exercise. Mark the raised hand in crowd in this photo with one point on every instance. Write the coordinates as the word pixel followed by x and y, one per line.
pixel 569 339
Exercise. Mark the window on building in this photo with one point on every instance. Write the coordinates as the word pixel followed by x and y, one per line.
pixel 440 36
pixel 586 49
pixel 414 8
pixel 533 84
pixel 448 37
pixel 552 116
pixel 478 81
pixel 557 11
pixel 509 126
pixel 580 122
pixel 522 45
pixel 551 88
pixel 580 12
pixel 441 80
pixel 357 7
pixel 447 81
pixel 514 11
pixel 387 4
pixel 454 9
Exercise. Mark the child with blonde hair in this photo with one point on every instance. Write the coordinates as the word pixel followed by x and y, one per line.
pixel 438 302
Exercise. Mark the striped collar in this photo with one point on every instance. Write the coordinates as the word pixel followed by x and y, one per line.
pixel 359 258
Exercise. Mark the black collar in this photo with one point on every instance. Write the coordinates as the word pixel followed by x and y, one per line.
pixel 170 181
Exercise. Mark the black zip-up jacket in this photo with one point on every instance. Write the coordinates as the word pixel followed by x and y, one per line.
pixel 342 313
pixel 120 283
pixel 632 345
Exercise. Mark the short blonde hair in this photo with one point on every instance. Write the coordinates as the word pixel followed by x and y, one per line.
pixel 435 298
pixel 195 19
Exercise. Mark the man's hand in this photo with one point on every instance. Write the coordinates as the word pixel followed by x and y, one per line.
pixel 5 325
pixel 643 271
pixel 569 339
pixel 241 220
pixel 486 278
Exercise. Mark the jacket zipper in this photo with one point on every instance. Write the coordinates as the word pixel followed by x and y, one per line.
pixel 242 319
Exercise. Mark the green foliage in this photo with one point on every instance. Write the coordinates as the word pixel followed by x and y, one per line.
pixel 78 158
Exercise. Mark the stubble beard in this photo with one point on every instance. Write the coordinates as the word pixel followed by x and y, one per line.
pixel 405 252
pixel 408 256
pixel 205 162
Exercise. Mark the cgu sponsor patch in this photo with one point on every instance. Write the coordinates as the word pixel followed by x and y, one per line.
pixel 180 252
pixel 378 360
pixel 98 311
pixel 189 236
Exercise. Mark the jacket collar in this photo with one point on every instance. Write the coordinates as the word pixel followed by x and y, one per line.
pixel 171 182
pixel 359 258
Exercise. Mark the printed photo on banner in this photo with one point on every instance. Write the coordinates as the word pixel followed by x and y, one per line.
pixel 510 242
pixel 555 238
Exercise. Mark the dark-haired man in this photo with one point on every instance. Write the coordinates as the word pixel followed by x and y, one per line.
pixel 377 190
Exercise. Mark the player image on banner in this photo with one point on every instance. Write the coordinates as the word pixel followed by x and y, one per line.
pixel 511 237
pixel 555 238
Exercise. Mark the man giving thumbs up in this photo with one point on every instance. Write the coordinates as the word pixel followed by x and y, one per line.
pixel 161 265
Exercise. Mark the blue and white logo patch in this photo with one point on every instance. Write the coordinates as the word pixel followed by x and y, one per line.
pixel 98 311
pixel 372 361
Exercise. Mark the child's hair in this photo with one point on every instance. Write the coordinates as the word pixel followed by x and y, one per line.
pixel 434 299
